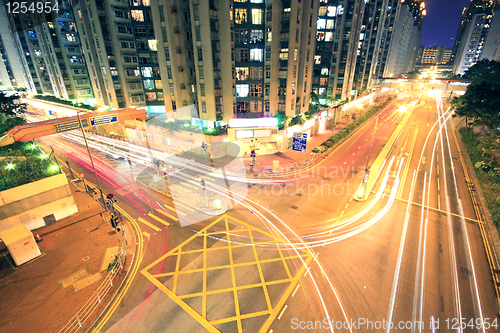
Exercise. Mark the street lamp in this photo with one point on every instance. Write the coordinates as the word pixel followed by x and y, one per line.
pixel 217 203
pixel 93 167
pixel 10 166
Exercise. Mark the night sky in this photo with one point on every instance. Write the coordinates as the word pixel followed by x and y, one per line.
pixel 442 21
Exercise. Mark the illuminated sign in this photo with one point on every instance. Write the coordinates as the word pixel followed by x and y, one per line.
pixel 253 122
pixel 262 133
pixel 248 134
pixel 70 125
pixel 104 119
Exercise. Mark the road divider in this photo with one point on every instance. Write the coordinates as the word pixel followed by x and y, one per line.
pixel 365 188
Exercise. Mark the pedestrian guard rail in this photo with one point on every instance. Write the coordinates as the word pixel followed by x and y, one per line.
pixel 78 321
pixel 85 312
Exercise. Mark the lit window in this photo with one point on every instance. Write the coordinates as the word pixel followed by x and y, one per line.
pixel 320 36
pixel 149 84
pixel 328 36
pixel 330 24
pixel 317 59
pixel 287 10
pixel 31 33
pixel 152 45
pixel 137 15
pixel 256 16
pixel 332 11
pixel 147 71
pixel 151 96
pixel 255 36
pixel 322 11
pixel 269 35
pixel 324 71
pixel 295 54
pixel 242 90
pixel 146 3
pixel 284 54
pixel 321 24
pixel 158 84
pixel 240 15
pixel 256 55
pixel 241 73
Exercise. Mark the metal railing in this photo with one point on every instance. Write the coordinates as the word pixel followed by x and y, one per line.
pixel 93 303
pixel 85 312
pixel 488 247
pixel 287 169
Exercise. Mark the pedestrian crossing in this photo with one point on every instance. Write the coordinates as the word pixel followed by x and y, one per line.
pixel 159 217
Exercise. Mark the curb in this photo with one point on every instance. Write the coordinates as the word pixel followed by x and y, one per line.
pixel 330 150
pixel 379 171
pixel 492 231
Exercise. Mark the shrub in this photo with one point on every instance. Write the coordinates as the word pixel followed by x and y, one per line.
pixel 327 144
pixel 332 140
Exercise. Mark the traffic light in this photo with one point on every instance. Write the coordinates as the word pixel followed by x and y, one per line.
pixel 114 222
pixel 202 183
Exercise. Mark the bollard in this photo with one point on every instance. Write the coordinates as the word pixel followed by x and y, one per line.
pixel 110 281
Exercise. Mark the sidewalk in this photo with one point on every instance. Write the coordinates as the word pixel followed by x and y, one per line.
pixel 285 158
pixel 43 295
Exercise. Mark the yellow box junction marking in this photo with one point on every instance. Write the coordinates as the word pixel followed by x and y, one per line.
pixel 232 241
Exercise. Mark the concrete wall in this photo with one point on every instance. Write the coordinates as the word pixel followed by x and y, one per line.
pixel 30 203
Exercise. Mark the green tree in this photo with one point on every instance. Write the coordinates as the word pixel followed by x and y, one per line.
pixel 297 120
pixel 483 69
pixel 481 101
pixel 10 106
pixel 281 119
pixel 313 98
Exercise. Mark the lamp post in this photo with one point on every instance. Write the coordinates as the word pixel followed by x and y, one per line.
pixel 368 159
pixel 92 163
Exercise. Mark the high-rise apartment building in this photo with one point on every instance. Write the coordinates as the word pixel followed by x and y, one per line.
pixel 229 59
pixel 353 43
pixel 437 55
pixel 474 29
pixel 12 73
pixel 491 48
pixel 242 58
pixel 406 38
pixel 51 53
